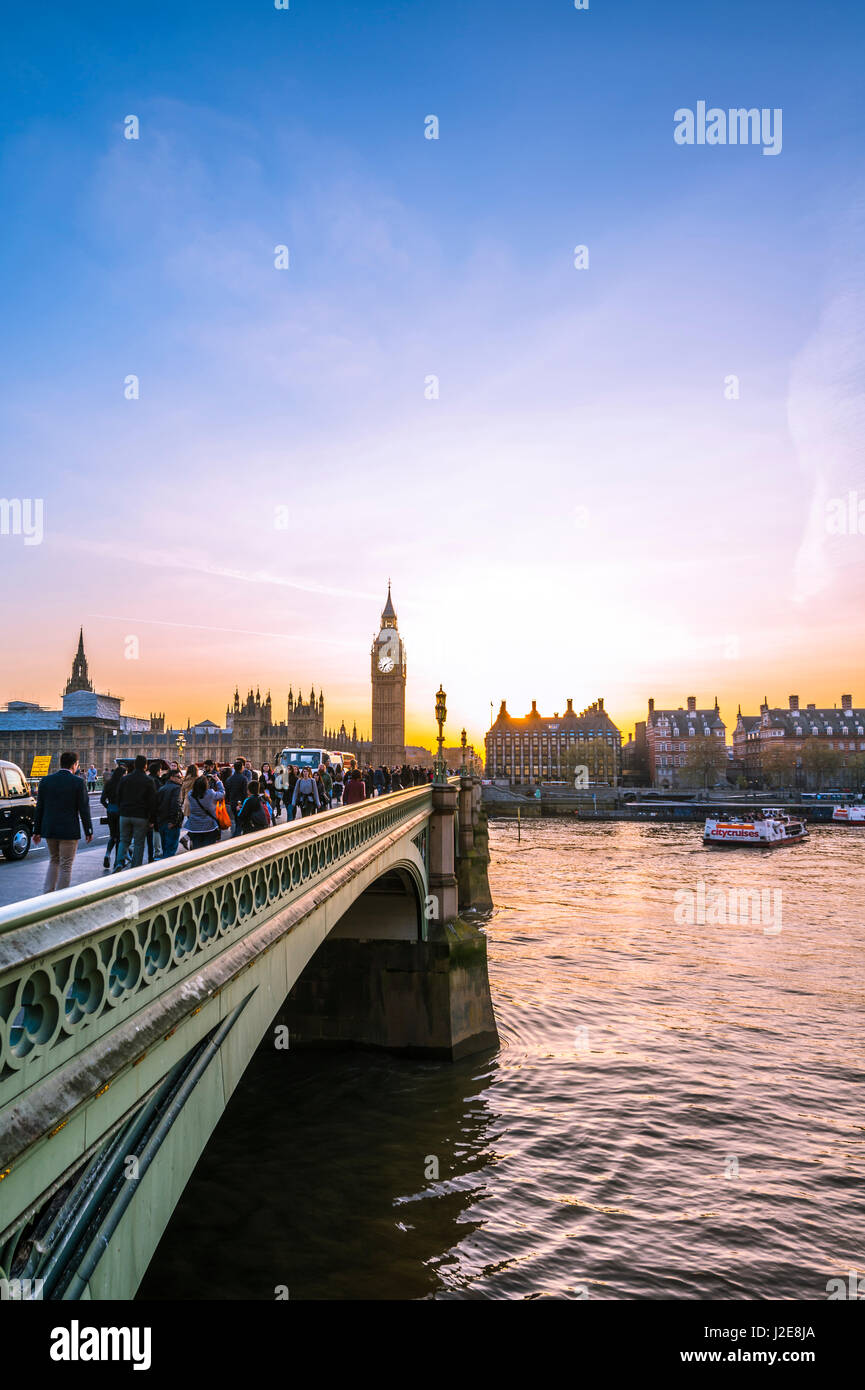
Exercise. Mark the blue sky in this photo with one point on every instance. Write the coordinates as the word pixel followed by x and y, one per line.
pixel 559 389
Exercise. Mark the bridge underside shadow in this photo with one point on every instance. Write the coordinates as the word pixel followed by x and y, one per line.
pixel 376 982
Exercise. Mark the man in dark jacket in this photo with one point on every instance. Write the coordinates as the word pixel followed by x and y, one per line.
pixel 169 813
pixel 62 808
pixel 136 804
pixel 236 789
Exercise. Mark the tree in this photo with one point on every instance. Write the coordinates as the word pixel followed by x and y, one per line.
pixel 705 761
pixel 855 767
pixel 778 765
pixel 820 763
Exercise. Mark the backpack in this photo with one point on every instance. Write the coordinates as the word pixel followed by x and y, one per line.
pixel 258 819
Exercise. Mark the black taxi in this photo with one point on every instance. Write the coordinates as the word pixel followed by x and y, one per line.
pixel 17 811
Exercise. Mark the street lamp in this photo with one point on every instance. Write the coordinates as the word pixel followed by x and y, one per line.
pixel 441 716
pixel 181 744
pixel 464 772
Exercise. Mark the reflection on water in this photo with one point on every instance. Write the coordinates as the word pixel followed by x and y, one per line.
pixel 675 1112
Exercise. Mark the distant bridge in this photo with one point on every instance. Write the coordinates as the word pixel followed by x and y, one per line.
pixel 130 1008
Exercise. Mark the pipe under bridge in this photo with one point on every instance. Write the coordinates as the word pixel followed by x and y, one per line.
pixel 129 1009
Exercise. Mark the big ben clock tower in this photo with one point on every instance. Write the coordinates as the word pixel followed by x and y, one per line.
pixel 388 691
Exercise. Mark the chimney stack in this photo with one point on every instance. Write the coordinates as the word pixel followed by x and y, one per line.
pixel 846 701
pixel 600 704
pixel 794 703
pixel 651 707
pixel 570 708
pixel 692 703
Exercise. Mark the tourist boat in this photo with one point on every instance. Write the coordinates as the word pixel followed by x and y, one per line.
pixel 849 815
pixel 769 828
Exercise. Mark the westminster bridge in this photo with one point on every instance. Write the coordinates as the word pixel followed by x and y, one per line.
pixel 130 1008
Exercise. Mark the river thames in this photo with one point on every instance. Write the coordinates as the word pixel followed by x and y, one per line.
pixel 675 1111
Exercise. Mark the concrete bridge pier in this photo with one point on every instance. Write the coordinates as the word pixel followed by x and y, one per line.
pixel 399 974
pixel 474 855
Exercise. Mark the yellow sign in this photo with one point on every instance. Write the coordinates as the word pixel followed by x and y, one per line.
pixel 41 765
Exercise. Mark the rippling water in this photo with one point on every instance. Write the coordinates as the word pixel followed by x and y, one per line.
pixel 676 1111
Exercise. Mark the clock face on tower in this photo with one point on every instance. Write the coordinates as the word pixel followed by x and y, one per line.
pixel 388 650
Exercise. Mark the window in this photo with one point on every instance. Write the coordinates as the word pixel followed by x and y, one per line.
pixel 15 785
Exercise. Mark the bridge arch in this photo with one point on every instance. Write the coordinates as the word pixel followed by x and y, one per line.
pixel 391 907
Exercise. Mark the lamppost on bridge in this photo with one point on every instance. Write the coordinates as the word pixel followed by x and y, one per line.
pixel 464 772
pixel 181 744
pixel 441 716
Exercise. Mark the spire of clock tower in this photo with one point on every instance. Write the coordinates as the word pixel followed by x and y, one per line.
pixel 388 613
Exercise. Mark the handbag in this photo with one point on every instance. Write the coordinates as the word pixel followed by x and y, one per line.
pixel 222 815
pixel 207 811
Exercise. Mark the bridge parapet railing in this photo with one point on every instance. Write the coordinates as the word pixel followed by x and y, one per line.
pixel 75 963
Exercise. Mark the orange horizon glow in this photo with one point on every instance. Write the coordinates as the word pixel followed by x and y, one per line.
pixel 190 693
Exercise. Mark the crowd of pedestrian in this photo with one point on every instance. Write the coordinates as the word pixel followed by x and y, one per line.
pixel 157 808
pixel 154 808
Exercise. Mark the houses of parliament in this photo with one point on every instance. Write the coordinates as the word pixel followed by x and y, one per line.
pixel 93 726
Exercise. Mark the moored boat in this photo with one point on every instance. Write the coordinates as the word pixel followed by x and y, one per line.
pixel 767 829
pixel 849 815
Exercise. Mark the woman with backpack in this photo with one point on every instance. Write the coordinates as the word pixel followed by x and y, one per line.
pixel 201 822
pixel 306 795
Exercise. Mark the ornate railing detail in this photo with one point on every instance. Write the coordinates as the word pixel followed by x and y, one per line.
pixel 77 966
pixel 421 842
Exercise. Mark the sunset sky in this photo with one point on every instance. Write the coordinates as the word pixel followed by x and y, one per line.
pixel 582 511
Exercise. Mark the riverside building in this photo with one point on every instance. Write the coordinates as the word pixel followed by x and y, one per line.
pixel 668 736
pixel 540 748
pixel 808 747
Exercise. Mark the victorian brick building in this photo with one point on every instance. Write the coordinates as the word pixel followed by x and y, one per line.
pixel 669 735
pixel 538 748
pixel 800 746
